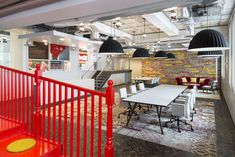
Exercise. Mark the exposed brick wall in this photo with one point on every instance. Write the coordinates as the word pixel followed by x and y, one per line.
pixel 185 64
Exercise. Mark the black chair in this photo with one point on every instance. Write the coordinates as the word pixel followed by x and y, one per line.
pixel 212 87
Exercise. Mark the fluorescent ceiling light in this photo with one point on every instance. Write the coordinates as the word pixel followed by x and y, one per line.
pixel 186 45
pixel 44 40
pixel 105 29
pixel 161 21
pixel 62 39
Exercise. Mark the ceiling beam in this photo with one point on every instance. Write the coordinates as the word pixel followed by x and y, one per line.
pixel 160 20
pixel 107 30
pixel 87 10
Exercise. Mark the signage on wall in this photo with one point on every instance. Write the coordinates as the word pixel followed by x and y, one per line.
pixel 83 56
pixel 56 50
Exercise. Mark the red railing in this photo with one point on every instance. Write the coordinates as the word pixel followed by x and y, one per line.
pixel 58 112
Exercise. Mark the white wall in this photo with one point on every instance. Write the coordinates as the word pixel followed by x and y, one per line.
pixel 18 52
pixel 228 71
pixel 229 96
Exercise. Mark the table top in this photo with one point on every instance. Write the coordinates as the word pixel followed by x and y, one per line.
pixel 143 78
pixel 161 95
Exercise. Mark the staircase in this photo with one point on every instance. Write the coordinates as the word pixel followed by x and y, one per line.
pixel 12 131
pixel 101 77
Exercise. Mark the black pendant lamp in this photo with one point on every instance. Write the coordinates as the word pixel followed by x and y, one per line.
pixel 208 40
pixel 160 54
pixel 209 53
pixel 170 56
pixel 111 46
pixel 141 53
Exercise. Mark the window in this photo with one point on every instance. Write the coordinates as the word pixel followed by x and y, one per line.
pixel 233 55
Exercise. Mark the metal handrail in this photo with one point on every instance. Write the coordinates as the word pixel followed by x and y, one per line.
pixel 89 69
pixel 102 69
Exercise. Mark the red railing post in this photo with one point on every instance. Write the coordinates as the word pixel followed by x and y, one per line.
pixel 37 123
pixel 109 149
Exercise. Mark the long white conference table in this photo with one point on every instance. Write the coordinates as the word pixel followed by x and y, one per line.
pixel 160 96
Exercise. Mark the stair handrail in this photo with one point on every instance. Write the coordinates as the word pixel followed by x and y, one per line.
pixel 103 69
pixel 89 69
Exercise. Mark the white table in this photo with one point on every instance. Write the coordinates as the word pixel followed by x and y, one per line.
pixel 143 78
pixel 160 96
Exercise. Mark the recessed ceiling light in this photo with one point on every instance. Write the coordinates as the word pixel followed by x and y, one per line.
pixel 62 39
pixel 117 18
pixel 144 35
pixel 118 23
pixel 44 40
pixel 82 29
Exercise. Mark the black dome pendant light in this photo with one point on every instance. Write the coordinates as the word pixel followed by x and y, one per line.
pixel 160 54
pixel 111 46
pixel 170 56
pixel 210 53
pixel 141 53
pixel 208 40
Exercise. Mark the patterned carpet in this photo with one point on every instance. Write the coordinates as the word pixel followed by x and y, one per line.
pixel 202 141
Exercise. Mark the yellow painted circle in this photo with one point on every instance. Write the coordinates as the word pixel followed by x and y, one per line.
pixel 21 145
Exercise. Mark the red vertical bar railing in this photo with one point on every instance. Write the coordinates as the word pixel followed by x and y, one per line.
pixel 49 110
pixel 78 125
pixel 85 125
pixel 8 94
pixel 109 149
pixel 43 108
pixel 59 123
pixel 99 126
pixel 4 84
pixel 54 113
pixel 32 104
pixel 21 100
pixel 37 123
pixel 92 126
pixel 65 120
pixel 71 122
pixel 27 102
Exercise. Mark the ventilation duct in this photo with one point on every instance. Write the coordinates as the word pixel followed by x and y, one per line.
pixel 190 28
pixel 182 15
pixel 95 36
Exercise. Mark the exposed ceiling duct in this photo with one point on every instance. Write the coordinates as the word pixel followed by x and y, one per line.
pixel 207 7
pixel 180 15
pixel 161 21
pixel 190 28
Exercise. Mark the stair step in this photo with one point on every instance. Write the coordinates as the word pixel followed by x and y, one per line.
pixel 9 128
pixel 42 148
pixel 11 131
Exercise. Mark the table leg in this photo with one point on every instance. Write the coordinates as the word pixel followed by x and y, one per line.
pixel 132 110
pixel 159 111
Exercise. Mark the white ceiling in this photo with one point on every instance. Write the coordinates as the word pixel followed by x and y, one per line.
pixel 131 13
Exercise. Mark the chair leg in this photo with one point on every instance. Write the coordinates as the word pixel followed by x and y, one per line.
pixel 178 124
pixel 192 117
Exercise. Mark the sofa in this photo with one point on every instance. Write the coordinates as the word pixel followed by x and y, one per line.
pixel 193 81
